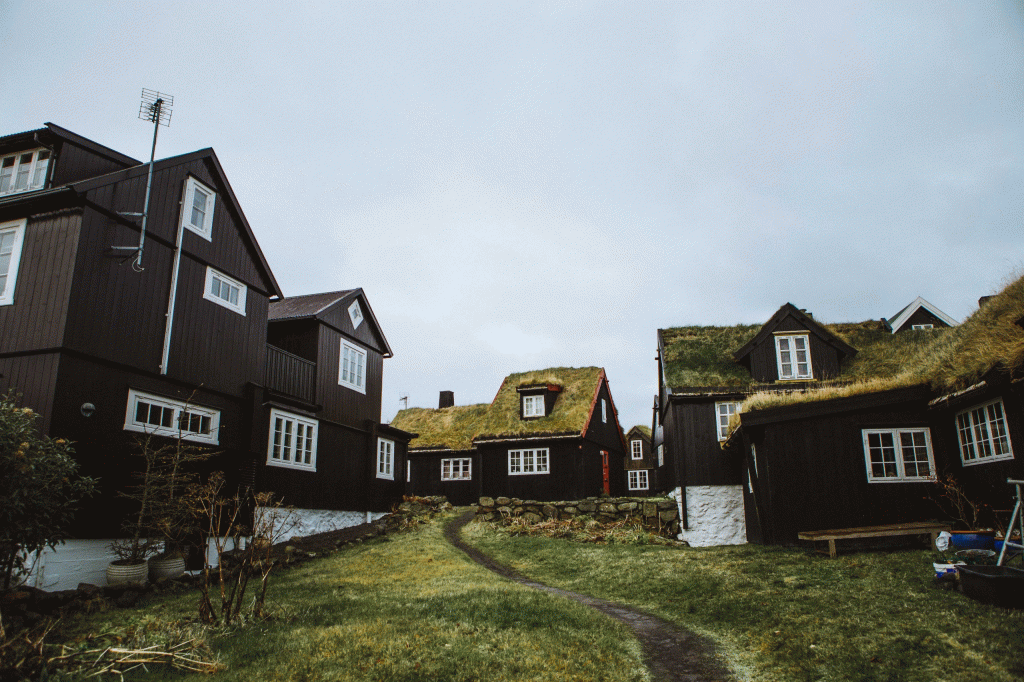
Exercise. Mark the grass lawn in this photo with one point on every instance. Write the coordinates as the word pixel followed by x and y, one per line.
pixel 785 614
pixel 407 608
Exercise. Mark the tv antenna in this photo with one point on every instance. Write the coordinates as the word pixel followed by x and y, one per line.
pixel 156 108
pixel 405 402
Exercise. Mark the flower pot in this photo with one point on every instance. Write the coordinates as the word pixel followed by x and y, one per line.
pixel 166 567
pixel 972 539
pixel 120 573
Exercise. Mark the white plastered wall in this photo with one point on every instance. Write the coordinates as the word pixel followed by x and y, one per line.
pixel 715 515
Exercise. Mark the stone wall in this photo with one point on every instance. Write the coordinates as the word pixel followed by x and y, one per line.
pixel 658 515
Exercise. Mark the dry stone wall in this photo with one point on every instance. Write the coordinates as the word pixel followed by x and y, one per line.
pixel 660 516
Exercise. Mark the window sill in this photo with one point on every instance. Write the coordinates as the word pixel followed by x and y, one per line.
pixel 986 460
pixel 311 468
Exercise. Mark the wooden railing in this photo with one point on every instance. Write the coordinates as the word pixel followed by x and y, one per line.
pixel 290 374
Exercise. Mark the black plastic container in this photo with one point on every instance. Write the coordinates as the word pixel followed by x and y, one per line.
pixel 997 585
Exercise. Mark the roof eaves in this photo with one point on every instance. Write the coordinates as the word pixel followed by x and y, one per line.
pixel 901 317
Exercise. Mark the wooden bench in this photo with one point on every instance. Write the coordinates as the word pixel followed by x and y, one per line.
pixel 915 528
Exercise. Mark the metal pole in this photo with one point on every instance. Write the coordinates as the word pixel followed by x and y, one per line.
pixel 149 181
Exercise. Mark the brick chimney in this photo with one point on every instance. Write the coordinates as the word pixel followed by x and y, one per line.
pixel 447 399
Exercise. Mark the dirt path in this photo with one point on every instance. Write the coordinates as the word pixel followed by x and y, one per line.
pixel 670 652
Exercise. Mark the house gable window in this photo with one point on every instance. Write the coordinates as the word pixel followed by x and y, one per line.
pixel 604 410
pixel 661 455
pixel 521 462
pixel 24 171
pixel 533 406
pixel 793 355
pixel 159 416
pixel 352 372
pixel 983 436
pixel 292 441
pixel 638 480
pixel 922 326
pixel 722 413
pixel 12 235
pixel 636 449
pixel 895 455
pixel 225 291
pixel 197 208
pixel 460 469
pixel 355 313
pixel 385 459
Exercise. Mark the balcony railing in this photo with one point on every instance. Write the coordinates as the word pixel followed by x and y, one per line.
pixel 290 374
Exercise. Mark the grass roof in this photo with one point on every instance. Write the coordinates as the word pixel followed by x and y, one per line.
pixel 456 427
pixel 702 356
pixel 646 430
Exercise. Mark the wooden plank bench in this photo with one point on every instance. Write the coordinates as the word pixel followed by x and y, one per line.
pixel 914 528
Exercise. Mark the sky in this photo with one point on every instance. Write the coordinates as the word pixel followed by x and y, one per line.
pixel 519 186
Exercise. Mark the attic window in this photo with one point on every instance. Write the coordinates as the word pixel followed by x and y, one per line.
pixel 533 406
pixel 922 326
pixel 637 449
pixel 794 357
pixel 355 313
pixel 197 209
pixel 24 171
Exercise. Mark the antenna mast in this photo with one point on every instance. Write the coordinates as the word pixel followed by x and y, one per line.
pixel 156 108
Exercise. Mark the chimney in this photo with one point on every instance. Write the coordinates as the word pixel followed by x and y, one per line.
pixel 447 399
pixel 983 300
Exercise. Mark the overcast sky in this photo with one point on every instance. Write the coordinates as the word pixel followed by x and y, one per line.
pixel 519 186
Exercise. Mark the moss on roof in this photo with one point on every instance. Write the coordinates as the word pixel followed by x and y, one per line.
pixel 646 430
pixel 702 356
pixel 456 427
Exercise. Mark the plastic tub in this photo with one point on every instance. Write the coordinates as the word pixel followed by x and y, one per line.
pixel 997 585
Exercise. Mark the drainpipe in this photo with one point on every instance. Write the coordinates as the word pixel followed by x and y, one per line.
pixel 53 160
pixel 169 321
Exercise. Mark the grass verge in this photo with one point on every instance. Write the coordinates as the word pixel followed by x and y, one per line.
pixel 409 607
pixel 785 614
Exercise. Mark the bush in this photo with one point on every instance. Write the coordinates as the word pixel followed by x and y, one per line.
pixel 40 488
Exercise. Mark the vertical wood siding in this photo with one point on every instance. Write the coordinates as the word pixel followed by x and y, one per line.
pixel 75 163
pixel 341 403
pixel 35 378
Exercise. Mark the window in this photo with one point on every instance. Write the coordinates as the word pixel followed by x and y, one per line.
pixel 408 471
pixel 636 449
pixel 292 441
pixel 638 480
pixel 983 436
pixel 385 459
pixel 723 411
pixel 160 416
pixel 533 406
pixel 528 462
pixel 355 313
pixel 753 457
pixel 661 455
pixel 456 469
pixel 894 455
pixel 793 357
pixel 604 410
pixel 11 237
pixel 24 171
pixel 225 291
pixel 922 326
pixel 353 367
pixel 197 208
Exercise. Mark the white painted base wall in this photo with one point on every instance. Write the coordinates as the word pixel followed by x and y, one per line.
pixel 715 515
pixel 303 522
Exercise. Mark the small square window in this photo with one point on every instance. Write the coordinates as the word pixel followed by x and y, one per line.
pixel 355 313
pixel 385 459
pixel 460 469
pixel 197 208
pixel 352 372
pixel 922 326
pixel 638 480
pixel 225 291
pixel 12 236
pixel 533 406
pixel 794 357
pixel 723 411
pixel 24 171
pixel 637 448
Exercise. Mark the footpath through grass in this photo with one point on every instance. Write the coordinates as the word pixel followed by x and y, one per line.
pixel 410 607
pixel 784 614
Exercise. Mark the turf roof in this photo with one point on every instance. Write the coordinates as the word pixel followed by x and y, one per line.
pixel 456 427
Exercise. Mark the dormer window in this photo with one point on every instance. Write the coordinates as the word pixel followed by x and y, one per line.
pixel 197 209
pixel 533 406
pixel 24 171
pixel 794 357
pixel 637 448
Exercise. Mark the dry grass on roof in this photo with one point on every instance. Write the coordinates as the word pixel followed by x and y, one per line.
pixel 452 427
pixel 570 410
pixel 880 353
pixel 646 430
pixel 702 356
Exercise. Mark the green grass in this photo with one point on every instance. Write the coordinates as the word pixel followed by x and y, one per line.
pixel 408 608
pixel 786 614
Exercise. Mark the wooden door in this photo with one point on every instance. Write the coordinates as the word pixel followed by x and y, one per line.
pixel 604 472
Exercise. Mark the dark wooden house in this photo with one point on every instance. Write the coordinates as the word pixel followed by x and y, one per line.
pixel 919 315
pixel 108 344
pixel 547 435
pixel 640 463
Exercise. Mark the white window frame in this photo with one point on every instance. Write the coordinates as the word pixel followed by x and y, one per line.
pixel 723 411
pixel 661 455
pixel 171 429
pixel 205 229
pixel 355 313
pixel 38 170
pixel 982 434
pixel 528 462
pixel 533 406
pixel 457 469
pixel 386 459
pixel 636 449
pixel 292 441
pixel 639 480
pixel 352 373
pixel 218 277
pixel 898 447
pixel 15 228
pixel 922 326
pixel 604 410
pixel 793 363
